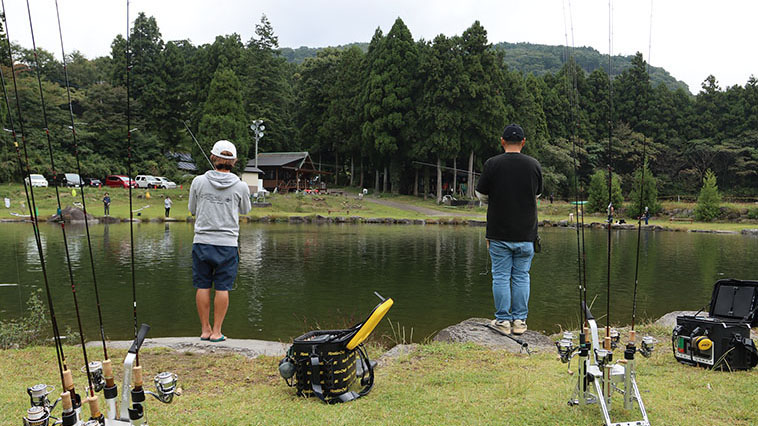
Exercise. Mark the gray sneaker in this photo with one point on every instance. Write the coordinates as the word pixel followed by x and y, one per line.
pixel 503 325
pixel 519 327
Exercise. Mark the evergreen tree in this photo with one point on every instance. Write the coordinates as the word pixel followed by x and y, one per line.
pixel 223 117
pixel 597 200
pixel 392 84
pixel 709 201
pixel 648 197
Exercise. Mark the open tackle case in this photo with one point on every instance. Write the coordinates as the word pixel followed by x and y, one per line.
pixel 720 340
pixel 328 363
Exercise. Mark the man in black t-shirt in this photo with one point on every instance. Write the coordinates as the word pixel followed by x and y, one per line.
pixel 510 184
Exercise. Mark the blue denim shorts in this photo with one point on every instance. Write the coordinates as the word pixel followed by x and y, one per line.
pixel 214 266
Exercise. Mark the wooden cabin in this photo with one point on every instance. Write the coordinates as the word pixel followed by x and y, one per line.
pixel 288 171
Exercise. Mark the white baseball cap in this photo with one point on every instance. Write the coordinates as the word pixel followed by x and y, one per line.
pixel 224 145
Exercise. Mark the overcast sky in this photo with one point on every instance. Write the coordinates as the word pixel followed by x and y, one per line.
pixel 690 38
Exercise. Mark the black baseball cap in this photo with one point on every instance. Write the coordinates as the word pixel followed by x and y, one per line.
pixel 513 133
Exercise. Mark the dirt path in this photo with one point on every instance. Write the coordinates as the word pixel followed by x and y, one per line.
pixel 417 209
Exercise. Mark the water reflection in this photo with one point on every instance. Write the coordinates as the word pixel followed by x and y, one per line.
pixel 293 277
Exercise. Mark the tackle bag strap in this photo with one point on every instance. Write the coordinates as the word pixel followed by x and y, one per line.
pixel 347 396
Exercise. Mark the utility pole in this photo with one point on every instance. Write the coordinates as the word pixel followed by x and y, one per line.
pixel 257 127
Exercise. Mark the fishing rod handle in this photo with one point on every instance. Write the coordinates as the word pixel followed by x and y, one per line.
pixel 632 336
pixel 68 380
pixel 108 373
pixel 94 407
pixel 137 376
pixel 66 401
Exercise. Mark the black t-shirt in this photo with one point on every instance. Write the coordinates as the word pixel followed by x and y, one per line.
pixel 512 181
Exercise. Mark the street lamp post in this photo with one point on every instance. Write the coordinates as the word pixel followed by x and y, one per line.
pixel 257 127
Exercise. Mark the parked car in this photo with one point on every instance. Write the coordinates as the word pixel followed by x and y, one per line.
pixel 165 183
pixel 147 181
pixel 36 180
pixel 66 179
pixel 119 181
pixel 97 183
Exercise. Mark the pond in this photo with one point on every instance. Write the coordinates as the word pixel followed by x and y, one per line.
pixel 299 277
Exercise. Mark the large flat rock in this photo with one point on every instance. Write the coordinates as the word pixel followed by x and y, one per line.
pixel 249 347
pixel 474 330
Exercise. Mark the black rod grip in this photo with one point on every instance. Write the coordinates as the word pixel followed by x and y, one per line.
pixel 587 312
pixel 140 339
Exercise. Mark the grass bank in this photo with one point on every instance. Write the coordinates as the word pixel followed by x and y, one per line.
pixel 437 384
pixel 344 204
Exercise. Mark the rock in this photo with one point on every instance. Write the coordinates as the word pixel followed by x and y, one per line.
pixel 475 222
pixel 563 223
pixel 73 214
pixel 395 352
pixel 474 330
pixel 669 320
pixel 373 220
pixel 750 231
pixel 419 222
pixel 296 219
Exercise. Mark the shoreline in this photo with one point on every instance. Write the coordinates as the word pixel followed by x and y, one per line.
pixel 357 220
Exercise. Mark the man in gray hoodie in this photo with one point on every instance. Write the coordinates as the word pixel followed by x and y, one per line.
pixel 216 199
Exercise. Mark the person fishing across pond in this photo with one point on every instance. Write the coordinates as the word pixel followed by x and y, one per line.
pixel 167 204
pixel 107 205
pixel 216 199
pixel 510 184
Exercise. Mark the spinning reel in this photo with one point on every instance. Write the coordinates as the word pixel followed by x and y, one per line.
pixel 165 385
pixel 96 375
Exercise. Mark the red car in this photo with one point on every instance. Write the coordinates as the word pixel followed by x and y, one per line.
pixel 119 181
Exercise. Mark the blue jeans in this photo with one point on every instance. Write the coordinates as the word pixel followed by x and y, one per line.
pixel 510 278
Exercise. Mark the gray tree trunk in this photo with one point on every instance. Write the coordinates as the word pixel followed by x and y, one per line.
pixel 336 168
pixel 455 174
pixel 415 185
pixel 352 169
pixel 376 182
pixel 361 179
pixel 426 181
pixel 439 180
pixel 384 180
pixel 470 188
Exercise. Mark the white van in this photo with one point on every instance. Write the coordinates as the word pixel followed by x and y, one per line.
pixel 36 180
pixel 147 181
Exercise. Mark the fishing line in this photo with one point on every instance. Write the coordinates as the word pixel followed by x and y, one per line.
pixel 29 192
pixel 79 171
pixel 198 145
pixel 129 171
pixel 58 199
pixel 642 177
pixel 610 169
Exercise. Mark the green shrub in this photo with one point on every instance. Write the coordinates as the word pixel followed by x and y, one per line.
pixel 709 200
pixel 752 213
pixel 28 330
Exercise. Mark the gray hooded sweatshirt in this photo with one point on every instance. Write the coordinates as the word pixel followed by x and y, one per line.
pixel 216 200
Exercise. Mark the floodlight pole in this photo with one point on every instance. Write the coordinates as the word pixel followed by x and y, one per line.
pixel 257 127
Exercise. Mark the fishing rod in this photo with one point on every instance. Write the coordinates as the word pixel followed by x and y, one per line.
pixel 99 373
pixel 38 394
pixel 596 366
pixel 642 185
pixel 60 214
pixel 571 93
pixel 198 145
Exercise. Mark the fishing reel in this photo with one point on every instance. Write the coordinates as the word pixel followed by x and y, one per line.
pixel 566 346
pixel 615 338
pixel 38 396
pixel 96 375
pixel 165 385
pixel 604 357
pixel 648 346
pixel 37 415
